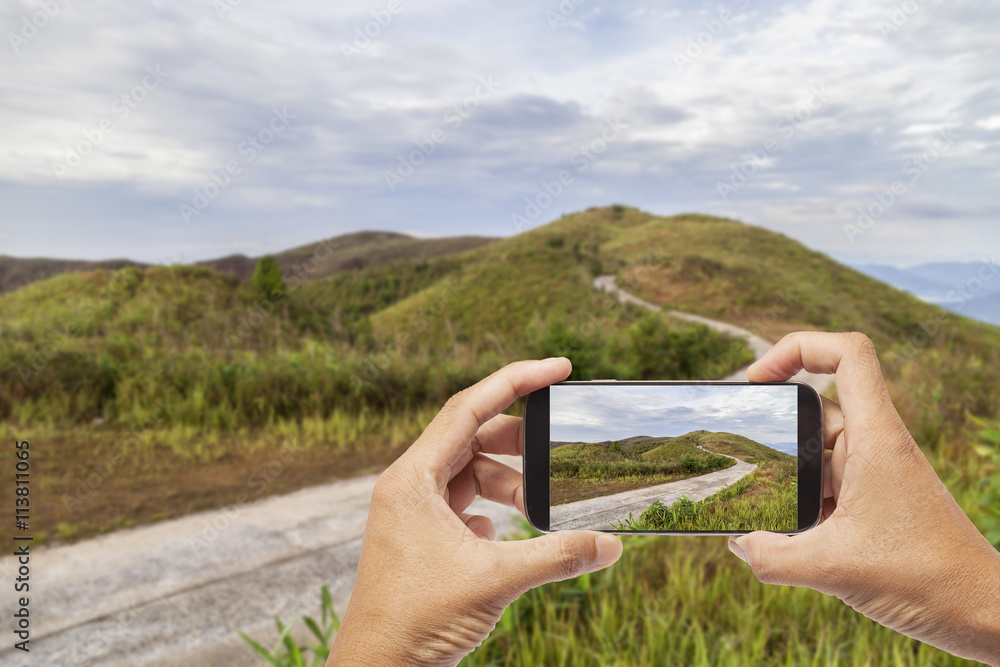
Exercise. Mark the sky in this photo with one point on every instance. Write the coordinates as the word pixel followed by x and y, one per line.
pixel 172 132
pixel 588 413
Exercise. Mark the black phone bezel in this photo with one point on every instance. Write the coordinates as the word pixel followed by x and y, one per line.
pixel 535 454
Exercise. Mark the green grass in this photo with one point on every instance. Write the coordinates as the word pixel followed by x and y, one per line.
pixel 591 470
pixel 189 380
pixel 412 337
pixel 766 499
pixel 688 600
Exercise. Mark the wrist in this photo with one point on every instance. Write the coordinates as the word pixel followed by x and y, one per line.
pixel 977 609
pixel 984 617
pixel 366 642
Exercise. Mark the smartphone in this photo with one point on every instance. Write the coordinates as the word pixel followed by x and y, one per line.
pixel 677 458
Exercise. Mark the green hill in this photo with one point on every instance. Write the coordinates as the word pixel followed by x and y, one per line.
pixel 589 470
pixel 350 366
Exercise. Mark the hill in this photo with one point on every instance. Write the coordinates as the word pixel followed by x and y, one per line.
pixel 590 470
pixel 334 255
pixel 199 379
pixel 17 272
pixel 351 252
pixel 627 442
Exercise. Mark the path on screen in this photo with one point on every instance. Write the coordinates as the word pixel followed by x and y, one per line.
pixel 175 592
pixel 603 512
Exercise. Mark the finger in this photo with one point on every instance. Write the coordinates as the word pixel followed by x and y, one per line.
pixel 851 357
pixel 789 560
pixel 488 479
pixel 500 435
pixel 827 472
pixel 833 422
pixel 554 557
pixel 481 525
pixel 446 439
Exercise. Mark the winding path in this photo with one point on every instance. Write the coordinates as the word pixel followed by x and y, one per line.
pixel 175 592
pixel 602 513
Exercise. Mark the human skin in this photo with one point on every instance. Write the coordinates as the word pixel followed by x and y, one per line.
pixel 432 582
pixel 893 543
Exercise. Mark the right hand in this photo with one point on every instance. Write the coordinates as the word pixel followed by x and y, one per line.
pixel 893 543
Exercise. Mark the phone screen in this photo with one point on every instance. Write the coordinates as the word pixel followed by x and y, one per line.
pixel 657 457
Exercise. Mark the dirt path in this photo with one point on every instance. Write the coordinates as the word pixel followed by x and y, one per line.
pixel 173 593
pixel 601 513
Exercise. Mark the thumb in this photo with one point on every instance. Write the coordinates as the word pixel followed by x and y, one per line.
pixel 790 560
pixel 557 556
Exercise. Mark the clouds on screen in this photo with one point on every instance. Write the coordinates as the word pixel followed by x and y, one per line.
pixel 596 413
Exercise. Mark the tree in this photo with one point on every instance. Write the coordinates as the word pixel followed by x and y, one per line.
pixel 267 278
pixel 616 447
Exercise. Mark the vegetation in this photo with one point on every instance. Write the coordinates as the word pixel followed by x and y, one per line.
pixel 347 385
pixel 287 652
pixel 268 280
pixel 590 470
pixel 766 499
pixel 166 390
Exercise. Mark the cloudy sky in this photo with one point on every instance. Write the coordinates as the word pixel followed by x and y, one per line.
pixel 176 131
pixel 767 414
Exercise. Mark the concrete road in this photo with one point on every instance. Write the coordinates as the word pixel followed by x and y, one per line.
pixel 602 513
pixel 757 345
pixel 173 593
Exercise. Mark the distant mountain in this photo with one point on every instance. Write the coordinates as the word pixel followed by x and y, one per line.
pixel 313 261
pixel 627 442
pixel 17 272
pixel 957 286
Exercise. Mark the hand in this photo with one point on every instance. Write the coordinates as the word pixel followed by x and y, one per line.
pixel 892 544
pixel 431 582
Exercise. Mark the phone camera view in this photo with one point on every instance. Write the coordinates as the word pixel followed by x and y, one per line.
pixel 673 458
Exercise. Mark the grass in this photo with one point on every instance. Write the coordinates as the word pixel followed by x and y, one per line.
pixel 766 499
pixel 667 602
pixel 160 337
pixel 151 393
pixel 591 470
pixel 688 600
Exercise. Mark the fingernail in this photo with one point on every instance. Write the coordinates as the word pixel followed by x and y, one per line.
pixel 552 359
pixel 737 548
pixel 609 549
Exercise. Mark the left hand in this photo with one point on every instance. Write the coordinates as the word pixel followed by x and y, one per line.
pixel 432 584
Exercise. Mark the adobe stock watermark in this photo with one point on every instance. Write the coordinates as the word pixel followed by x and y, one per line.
pixel 914 167
pixel 375 365
pixel 121 108
pixel 785 128
pixel 224 7
pixel 580 159
pixel 248 324
pixel 364 35
pixel 35 23
pixel 247 150
pixel 899 16
pixel 86 311
pixel 452 120
pixel 559 16
pixel 960 295
pixel 258 482
pixel 714 28
pixel 99 471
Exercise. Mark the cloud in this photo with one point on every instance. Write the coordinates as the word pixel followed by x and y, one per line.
pixel 889 81
pixel 596 413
